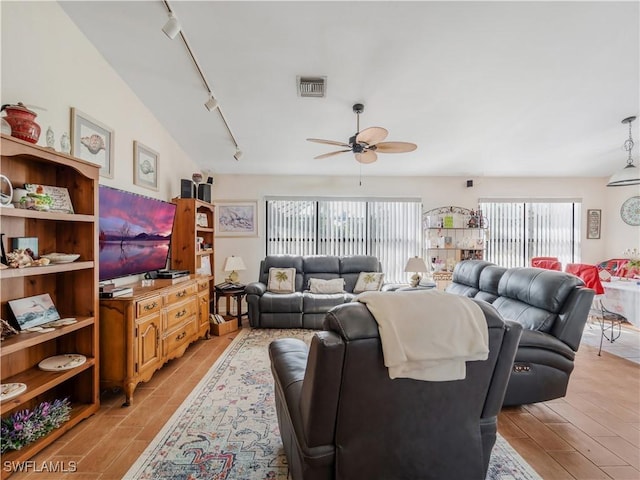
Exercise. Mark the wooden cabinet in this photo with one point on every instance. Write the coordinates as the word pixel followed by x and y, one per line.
pixel 141 332
pixel 192 245
pixel 73 287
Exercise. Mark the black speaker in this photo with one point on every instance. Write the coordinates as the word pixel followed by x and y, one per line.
pixel 210 180
pixel 204 192
pixel 187 189
pixel 469 183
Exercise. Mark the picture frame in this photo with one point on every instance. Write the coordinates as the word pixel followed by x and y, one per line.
pixel 594 222
pixel 236 218
pixel 93 141
pixel 33 311
pixel 60 199
pixel 145 166
pixel 202 220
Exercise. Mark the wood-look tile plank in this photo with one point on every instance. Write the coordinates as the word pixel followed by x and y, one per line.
pixel 540 460
pixel 545 414
pixel 539 432
pixel 579 466
pixel 586 445
pixel 508 429
pixel 582 421
pixel 622 473
pixel 622 449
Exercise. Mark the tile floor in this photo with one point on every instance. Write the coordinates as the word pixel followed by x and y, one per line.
pixel 626 346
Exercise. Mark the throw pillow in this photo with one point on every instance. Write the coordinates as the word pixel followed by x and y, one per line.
pixel 319 285
pixel 282 280
pixel 368 281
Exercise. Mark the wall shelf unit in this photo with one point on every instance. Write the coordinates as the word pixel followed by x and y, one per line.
pixel 453 234
pixel 73 287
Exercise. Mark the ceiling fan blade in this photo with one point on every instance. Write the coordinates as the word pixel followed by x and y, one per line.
pixel 368 156
pixel 372 135
pixel 328 142
pixel 395 147
pixel 330 154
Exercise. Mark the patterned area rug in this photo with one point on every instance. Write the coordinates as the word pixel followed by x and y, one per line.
pixel 227 429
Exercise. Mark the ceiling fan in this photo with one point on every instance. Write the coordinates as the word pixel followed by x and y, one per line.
pixel 364 144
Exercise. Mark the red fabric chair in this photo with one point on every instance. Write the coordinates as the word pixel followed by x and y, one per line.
pixel 548 263
pixel 588 274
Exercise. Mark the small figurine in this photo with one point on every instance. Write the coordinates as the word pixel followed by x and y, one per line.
pixel 51 141
pixel 65 144
pixel 473 220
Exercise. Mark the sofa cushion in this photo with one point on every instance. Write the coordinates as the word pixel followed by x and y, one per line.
pixel 281 280
pixel 322 303
pixel 350 268
pixel 282 261
pixel 281 302
pixel 319 285
pixel 368 282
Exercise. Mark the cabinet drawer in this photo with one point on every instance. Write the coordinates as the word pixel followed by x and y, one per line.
pixel 148 305
pixel 178 313
pixel 179 337
pixel 203 286
pixel 181 293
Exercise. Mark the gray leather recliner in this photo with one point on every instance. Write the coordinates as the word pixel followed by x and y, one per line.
pixel 341 417
pixel 551 306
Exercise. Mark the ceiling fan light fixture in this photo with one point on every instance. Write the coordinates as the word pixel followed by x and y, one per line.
pixel 211 104
pixel 238 154
pixel 630 174
pixel 172 27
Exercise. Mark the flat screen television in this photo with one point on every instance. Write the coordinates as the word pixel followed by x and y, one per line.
pixel 135 233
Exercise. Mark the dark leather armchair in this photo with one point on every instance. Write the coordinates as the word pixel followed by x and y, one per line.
pixel 552 308
pixel 341 417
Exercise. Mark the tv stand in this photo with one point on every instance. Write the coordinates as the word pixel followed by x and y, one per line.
pixel 139 333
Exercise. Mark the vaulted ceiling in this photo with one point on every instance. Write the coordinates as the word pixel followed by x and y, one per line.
pixel 483 88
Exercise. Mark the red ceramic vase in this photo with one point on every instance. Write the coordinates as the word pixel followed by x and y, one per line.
pixel 22 121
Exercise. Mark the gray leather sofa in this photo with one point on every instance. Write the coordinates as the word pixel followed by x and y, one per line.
pixel 552 308
pixel 342 418
pixel 303 309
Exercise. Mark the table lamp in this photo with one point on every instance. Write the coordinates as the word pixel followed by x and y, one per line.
pixel 416 265
pixel 233 264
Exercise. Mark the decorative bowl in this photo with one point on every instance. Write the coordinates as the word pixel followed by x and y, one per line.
pixel 62 257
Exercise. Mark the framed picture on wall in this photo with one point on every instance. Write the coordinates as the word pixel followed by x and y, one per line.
pixel 92 141
pixel 236 218
pixel 593 223
pixel 145 166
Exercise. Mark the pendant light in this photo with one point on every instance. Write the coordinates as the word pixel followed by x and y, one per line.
pixel 629 175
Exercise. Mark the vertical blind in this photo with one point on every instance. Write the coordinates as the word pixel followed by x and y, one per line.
pixel 520 230
pixel 387 229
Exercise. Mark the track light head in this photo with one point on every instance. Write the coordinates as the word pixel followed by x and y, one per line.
pixel 238 154
pixel 211 104
pixel 172 27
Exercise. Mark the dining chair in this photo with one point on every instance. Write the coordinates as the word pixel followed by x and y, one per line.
pixel 610 322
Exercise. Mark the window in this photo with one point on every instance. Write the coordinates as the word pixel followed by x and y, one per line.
pixel 522 229
pixel 387 229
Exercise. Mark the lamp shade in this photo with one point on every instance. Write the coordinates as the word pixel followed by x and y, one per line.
pixel 232 264
pixel 416 264
pixel 629 175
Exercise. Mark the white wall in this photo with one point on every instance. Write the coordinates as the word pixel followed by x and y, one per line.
pixel 434 192
pixel 48 62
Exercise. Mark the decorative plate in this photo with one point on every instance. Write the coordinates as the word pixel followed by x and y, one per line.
pixel 11 390
pixel 62 257
pixel 630 211
pixel 62 362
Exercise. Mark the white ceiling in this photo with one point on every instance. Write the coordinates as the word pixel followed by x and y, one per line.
pixel 483 88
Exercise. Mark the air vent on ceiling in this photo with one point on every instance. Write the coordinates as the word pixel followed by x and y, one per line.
pixel 312 86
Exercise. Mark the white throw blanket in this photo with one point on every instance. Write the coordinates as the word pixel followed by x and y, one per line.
pixel 428 334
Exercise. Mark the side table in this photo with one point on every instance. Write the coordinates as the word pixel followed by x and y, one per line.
pixel 228 293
